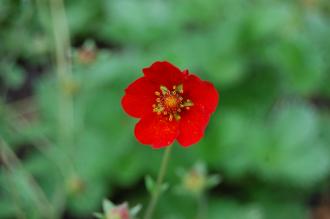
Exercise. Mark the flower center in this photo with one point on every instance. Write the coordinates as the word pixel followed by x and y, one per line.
pixel 171 103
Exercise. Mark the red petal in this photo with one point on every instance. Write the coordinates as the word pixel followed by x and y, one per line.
pixel 192 126
pixel 202 93
pixel 156 130
pixel 164 73
pixel 139 97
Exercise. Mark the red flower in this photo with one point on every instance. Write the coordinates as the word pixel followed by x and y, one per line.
pixel 172 104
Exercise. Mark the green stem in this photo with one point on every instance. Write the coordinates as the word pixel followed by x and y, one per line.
pixel 13 164
pixel 63 70
pixel 66 113
pixel 156 193
pixel 202 207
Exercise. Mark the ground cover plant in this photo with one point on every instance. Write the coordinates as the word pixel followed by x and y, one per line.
pixel 68 148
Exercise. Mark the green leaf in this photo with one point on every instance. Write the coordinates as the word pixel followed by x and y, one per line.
pixel 149 183
pixel 135 210
pixel 213 181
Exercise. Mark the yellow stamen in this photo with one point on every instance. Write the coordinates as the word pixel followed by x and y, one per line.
pixel 171 101
pixel 188 103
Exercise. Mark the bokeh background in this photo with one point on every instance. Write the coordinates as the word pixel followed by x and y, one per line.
pixel 66 144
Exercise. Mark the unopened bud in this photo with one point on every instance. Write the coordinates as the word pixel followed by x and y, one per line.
pixel 75 185
pixel 119 212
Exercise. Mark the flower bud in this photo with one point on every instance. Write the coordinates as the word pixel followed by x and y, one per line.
pixel 87 53
pixel 196 181
pixel 75 185
pixel 70 87
pixel 122 211
pixel 119 212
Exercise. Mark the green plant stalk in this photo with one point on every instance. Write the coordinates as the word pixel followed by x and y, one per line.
pixel 66 123
pixel 64 74
pixel 12 162
pixel 202 206
pixel 158 187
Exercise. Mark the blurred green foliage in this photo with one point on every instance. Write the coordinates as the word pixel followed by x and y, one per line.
pixel 269 138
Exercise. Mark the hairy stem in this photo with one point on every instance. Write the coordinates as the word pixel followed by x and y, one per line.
pixel 158 187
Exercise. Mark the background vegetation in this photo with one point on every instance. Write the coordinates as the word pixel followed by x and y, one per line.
pixel 66 143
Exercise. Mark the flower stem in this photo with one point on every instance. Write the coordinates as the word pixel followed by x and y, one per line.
pixel 202 207
pixel 158 187
pixel 14 165
pixel 64 73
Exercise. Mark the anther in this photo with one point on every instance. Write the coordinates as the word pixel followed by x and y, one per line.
pixel 188 103
pixel 170 103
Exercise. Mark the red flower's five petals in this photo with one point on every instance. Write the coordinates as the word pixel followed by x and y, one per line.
pixel 139 97
pixel 164 73
pixel 202 93
pixel 156 130
pixel 192 126
pixel 181 110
